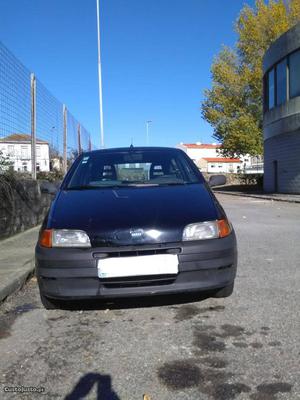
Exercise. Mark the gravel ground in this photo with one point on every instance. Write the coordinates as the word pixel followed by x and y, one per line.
pixel 242 347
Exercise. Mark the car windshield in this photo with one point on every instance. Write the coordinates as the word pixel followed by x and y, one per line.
pixel 133 168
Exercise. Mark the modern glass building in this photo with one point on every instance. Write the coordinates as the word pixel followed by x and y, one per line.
pixel 282 114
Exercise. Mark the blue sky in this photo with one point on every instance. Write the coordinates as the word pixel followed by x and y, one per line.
pixel 156 58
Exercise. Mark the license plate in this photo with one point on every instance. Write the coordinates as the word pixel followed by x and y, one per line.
pixel 160 264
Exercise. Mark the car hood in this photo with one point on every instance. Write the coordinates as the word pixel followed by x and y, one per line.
pixel 135 215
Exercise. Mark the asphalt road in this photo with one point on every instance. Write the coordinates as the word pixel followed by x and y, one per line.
pixel 242 347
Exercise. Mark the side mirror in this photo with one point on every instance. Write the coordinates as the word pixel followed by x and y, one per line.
pixel 48 187
pixel 217 180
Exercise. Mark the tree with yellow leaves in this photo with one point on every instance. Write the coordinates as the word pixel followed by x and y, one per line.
pixel 233 106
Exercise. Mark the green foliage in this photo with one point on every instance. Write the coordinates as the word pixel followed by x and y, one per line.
pixel 5 163
pixel 233 106
pixel 51 176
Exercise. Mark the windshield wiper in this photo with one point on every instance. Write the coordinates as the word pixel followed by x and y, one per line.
pixel 171 183
pixel 82 187
pixel 102 186
pixel 124 185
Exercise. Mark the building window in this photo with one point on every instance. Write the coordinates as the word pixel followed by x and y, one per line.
pixel 38 151
pixel 24 152
pixel 212 165
pixel 10 149
pixel 271 89
pixel 281 82
pixel 294 67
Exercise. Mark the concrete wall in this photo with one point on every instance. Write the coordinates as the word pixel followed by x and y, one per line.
pixel 22 206
pixel 285 149
pixel 282 127
pixel 284 45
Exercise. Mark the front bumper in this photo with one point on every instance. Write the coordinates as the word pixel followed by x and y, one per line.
pixel 72 273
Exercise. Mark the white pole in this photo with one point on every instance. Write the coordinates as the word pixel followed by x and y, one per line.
pixel 33 125
pixel 147 132
pixel 100 77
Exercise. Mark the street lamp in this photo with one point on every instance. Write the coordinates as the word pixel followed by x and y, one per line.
pixel 147 132
pixel 100 76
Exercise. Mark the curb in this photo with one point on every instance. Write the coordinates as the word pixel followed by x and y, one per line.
pixel 16 271
pixel 13 237
pixel 15 284
pixel 258 196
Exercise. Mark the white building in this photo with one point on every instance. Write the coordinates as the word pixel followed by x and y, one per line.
pixel 209 158
pixel 215 165
pixel 17 147
pixel 198 151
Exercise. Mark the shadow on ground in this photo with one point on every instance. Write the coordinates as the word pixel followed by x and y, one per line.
pixel 87 383
pixel 247 189
pixel 135 302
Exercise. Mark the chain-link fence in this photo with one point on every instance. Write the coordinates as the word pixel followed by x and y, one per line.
pixel 37 131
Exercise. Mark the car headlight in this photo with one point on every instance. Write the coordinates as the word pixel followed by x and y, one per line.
pixel 64 238
pixel 207 230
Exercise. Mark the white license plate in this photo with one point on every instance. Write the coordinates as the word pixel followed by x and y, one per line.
pixel 160 264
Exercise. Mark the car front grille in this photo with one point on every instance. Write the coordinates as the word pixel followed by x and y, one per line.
pixel 135 253
pixel 138 281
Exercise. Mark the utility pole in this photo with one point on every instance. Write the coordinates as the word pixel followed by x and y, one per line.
pixel 100 76
pixel 33 125
pixel 65 126
pixel 79 139
pixel 147 132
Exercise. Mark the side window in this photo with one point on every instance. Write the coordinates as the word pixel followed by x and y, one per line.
pixel 281 82
pixel 294 74
pixel 271 89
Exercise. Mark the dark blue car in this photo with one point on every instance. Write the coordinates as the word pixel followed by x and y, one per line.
pixel 134 222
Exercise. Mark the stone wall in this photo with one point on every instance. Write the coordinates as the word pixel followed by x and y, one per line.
pixel 22 205
pixel 231 179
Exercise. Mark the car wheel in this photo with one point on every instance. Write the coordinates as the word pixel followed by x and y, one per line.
pixel 49 304
pixel 225 291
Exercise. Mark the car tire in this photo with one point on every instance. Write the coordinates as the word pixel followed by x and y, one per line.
pixel 49 304
pixel 225 291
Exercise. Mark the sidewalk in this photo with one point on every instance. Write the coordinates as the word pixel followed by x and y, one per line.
pixel 289 198
pixel 16 260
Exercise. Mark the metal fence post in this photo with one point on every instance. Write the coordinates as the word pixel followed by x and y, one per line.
pixel 79 139
pixel 65 164
pixel 33 125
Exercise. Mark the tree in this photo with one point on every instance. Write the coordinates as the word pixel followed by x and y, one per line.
pixel 5 162
pixel 233 106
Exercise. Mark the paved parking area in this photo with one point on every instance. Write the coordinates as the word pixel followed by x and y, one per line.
pixel 242 347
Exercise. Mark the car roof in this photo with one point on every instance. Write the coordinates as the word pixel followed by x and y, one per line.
pixel 133 148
